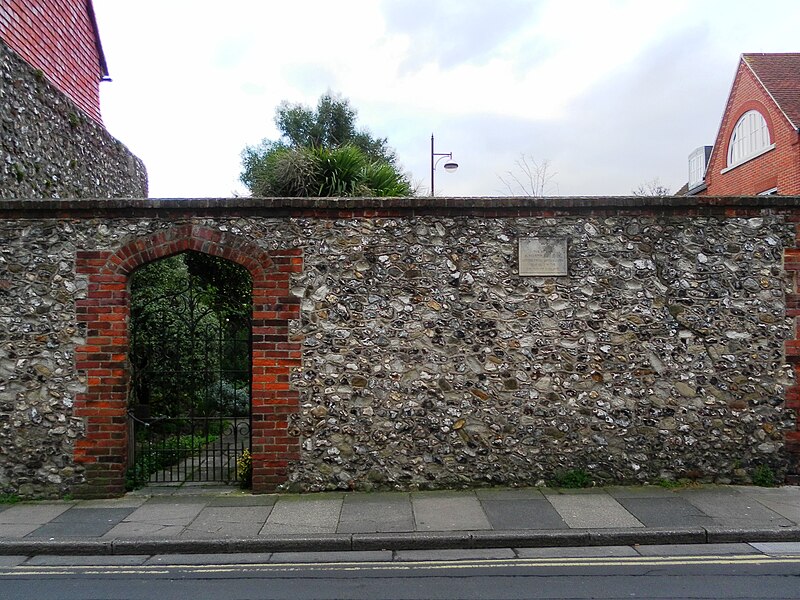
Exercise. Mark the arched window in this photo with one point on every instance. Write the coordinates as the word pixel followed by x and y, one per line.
pixel 750 138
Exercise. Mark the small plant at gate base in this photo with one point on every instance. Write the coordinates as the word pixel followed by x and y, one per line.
pixel 764 476
pixel 244 469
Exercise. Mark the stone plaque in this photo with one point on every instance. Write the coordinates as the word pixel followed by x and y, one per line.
pixel 543 257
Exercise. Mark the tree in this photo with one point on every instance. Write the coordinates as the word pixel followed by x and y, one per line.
pixel 331 125
pixel 190 318
pixel 531 178
pixel 322 153
pixel 651 188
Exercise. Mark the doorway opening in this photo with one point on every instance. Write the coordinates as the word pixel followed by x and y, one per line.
pixel 189 411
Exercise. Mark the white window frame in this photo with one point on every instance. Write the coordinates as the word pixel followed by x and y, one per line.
pixel 770 192
pixel 750 139
pixel 697 167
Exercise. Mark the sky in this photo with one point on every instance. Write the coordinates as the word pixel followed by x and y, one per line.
pixel 609 95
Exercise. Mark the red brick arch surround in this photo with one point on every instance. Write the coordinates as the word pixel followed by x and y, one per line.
pixel 103 359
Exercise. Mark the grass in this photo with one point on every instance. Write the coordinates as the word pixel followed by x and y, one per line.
pixel 9 499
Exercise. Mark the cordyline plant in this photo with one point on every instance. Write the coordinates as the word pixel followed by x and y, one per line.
pixel 321 153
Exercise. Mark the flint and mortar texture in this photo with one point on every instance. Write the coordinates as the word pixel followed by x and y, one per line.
pixel 49 148
pixel 428 362
pixel 38 381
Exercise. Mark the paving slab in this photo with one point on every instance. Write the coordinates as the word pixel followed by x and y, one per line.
pixel 127 501
pixel 521 514
pixel 448 512
pixel 778 548
pixel 166 513
pixel 17 530
pixel 376 513
pixel 179 489
pixel 12 560
pixel 304 515
pixel 592 510
pixel 29 513
pixel 509 494
pixel 139 530
pixel 244 500
pixel 784 501
pixel 665 511
pixel 178 501
pixel 730 508
pixel 455 554
pixel 696 549
pixel 228 521
pixel 82 522
pixel 577 552
pixel 645 491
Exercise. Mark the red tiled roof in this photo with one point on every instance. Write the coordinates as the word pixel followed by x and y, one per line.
pixel 780 75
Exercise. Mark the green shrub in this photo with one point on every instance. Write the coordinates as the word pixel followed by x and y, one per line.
pixel 764 476
pixel 574 478
pixel 669 484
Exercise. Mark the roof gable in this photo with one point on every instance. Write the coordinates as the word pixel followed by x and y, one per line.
pixel 779 74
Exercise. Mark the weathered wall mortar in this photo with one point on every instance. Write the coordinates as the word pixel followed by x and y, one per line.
pixel 429 363
pixel 50 148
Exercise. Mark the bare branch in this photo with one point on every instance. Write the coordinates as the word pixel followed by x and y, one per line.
pixel 530 178
pixel 651 188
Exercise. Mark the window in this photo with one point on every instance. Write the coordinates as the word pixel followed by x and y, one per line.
pixel 750 138
pixel 697 166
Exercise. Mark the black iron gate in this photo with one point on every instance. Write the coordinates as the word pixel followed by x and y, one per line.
pixel 190 406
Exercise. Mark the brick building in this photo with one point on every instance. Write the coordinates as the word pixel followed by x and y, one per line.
pixel 53 142
pixel 757 148
pixel 60 39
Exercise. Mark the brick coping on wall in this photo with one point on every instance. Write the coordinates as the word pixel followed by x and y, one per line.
pixel 376 207
pixel 103 356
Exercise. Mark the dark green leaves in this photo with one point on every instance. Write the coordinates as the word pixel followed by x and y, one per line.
pixel 321 153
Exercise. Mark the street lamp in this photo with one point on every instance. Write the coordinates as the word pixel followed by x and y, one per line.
pixel 448 166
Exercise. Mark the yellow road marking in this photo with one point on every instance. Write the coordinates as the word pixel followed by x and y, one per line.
pixel 747 559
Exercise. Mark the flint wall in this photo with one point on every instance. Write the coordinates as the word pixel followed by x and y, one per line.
pixel 426 360
pixel 49 147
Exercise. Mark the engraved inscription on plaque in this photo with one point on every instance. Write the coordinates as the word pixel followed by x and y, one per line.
pixel 543 257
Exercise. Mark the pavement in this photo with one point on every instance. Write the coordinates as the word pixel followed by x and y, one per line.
pixel 183 520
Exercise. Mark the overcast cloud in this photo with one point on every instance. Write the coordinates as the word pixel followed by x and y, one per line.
pixel 611 93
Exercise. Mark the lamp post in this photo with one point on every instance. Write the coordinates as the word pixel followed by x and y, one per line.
pixel 448 166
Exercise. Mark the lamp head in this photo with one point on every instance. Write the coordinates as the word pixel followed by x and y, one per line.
pixel 450 166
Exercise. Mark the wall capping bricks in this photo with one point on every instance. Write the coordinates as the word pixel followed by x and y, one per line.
pixel 375 207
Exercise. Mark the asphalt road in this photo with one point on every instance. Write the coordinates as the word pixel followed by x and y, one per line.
pixel 644 577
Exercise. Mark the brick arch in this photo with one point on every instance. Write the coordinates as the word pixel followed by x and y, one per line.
pixel 102 359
